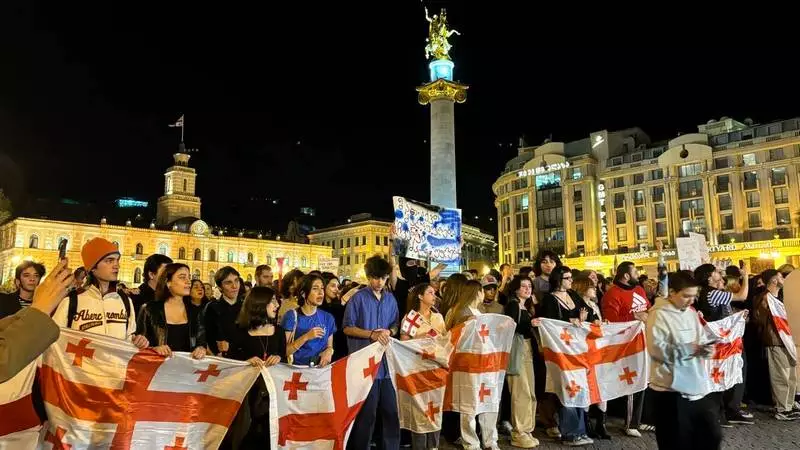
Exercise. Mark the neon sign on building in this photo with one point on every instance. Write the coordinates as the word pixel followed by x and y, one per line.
pixel 543 169
pixel 601 198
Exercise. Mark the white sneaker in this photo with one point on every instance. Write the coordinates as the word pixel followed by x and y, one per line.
pixel 524 440
pixel 633 433
pixel 553 432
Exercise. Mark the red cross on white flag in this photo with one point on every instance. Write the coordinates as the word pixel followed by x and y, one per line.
pixel 724 368
pixel 102 392
pixel 411 323
pixel 590 363
pixel 781 320
pixel 19 423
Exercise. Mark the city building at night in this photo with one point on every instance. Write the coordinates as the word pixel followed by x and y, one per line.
pixel 177 232
pixel 608 197
pixel 362 237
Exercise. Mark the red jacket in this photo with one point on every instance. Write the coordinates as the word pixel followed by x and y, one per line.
pixel 621 301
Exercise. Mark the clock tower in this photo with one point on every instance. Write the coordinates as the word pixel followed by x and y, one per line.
pixel 179 199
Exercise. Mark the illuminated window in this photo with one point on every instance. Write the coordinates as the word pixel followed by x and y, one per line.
pixel 725 202
pixel 162 248
pixel 198 254
pixel 641 232
pixel 231 256
pixel 638 197
pixel 781 195
pixel 641 214
pixel 657 174
pixel 181 253
pixel 212 255
pixel 268 260
pixel 749 159
pixel 779 176
pixel 619 200
pixel 690 170
pixel 620 215
pixel 753 199
pixel 660 210
pixel 782 216
pixel 34 241
pixel 578 213
pixel 137 275
pixel 750 180
pixel 250 258
pixel 196 275
pixel 658 193
pixel 622 234
pixel 579 233
pixel 754 219
pixel 304 260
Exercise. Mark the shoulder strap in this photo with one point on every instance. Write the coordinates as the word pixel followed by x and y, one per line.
pixel 73 307
pixel 127 303
pixel 294 328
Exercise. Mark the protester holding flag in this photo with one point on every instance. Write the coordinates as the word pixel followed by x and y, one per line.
pixel 470 295
pixel 545 262
pixel 422 319
pixel 562 304
pixel 521 383
pixel 372 315
pixel 168 322
pixel 685 416
pixel 782 363
pixel 309 330
pixel 626 301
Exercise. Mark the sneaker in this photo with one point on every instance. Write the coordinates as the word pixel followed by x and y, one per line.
pixel 633 433
pixel 505 427
pixel 739 418
pixel 553 432
pixel 745 414
pixel 786 416
pixel 577 442
pixel 524 440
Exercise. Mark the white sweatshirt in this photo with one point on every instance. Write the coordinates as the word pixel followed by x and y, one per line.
pixel 671 338
pixel 99 314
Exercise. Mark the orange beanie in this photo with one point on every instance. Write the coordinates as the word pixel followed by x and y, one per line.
pixel 95 250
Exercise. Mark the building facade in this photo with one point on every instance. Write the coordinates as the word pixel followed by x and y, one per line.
pixel 610 196
pixel 181 235
pixel 357 240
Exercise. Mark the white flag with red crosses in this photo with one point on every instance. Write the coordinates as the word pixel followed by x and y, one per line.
pixel 419 370
pixel 19 423
pixel 478 364
pixel 101 392
pixel 314 407
pixel 589 364
pixel 724 368
pixel 781 321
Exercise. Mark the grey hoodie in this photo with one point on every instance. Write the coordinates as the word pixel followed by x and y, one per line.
pixel 671 337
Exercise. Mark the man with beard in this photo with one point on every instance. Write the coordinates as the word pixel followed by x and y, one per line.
pixel 26 278
pixel 626 301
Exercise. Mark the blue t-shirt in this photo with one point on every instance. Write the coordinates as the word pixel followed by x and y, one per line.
pixel 365 311
pixel 314 347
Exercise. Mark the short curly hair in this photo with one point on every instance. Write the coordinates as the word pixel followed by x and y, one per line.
pixel 377 267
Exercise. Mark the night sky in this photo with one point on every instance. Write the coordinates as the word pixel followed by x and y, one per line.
pixel 314 104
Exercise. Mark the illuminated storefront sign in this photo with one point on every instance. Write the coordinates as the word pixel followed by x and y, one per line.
pixel 543 169
pixel 131 203
pixel 601 198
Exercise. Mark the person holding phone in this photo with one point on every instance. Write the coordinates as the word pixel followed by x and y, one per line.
pixel 309 330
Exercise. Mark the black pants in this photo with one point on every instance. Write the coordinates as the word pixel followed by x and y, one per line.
pixel 682 424
pixel 381 400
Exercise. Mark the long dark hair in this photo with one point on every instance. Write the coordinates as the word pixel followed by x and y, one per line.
pixel 414 294
pixel 327 277
pixel 537 265
pixel 288 282
pixel 162 291
pixel 513 287
pixel 305 287
pixel 254 309
pixel 202 285
pixel 557 277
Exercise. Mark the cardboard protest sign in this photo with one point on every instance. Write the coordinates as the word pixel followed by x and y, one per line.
pixel 423 231
pixel 692 251
pixel 328 264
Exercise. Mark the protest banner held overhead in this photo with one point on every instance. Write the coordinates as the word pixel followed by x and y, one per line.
pixel 328 264
pixel 423 231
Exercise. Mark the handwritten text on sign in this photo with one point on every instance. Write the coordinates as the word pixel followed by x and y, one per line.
pixel 427 232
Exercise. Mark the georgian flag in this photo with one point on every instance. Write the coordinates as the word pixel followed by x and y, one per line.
pixel 589 364
pixel 419 370
pixel 781 321
pixel 724 368
pixel 478 364
pixel 19 423
pixel 102 392
pixel 411 323
pixel 314 408
pixel 178 123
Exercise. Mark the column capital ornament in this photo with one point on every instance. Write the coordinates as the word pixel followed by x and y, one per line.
pixel 442 89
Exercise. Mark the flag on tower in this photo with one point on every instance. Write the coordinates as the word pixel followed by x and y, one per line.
pixel 589 364
pixel 178 123
pixel 419 369
pixel 101 392
pixel 724 368
pixel 478 365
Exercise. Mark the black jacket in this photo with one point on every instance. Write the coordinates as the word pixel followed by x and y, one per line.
pixel 146 294
pixel 9 304
pixel 220 322
pixel 152 324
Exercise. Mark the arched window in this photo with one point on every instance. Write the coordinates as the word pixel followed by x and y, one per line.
pixel 139 248
pixel 231 255
pixel 250 258
pixel 137 275
pixel 181 253
pixel 212 256
pixel 304 261
pixel 268 260
pixel 116 244
pixel 198 255
pixel 211 274
pixel 162 248
pixel 250 277
pixel 34 242
pixel 196 275
pixel 62 238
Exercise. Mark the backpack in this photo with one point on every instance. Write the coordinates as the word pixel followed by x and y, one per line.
pixel 73 307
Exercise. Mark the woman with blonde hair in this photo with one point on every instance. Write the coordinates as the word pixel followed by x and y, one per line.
pixel 470 295
pixel 450 290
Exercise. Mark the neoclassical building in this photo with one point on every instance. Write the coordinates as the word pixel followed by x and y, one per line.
pixel 178 232
pixel 610 196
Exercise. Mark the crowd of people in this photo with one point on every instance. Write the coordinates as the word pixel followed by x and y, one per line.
pixel 315 319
